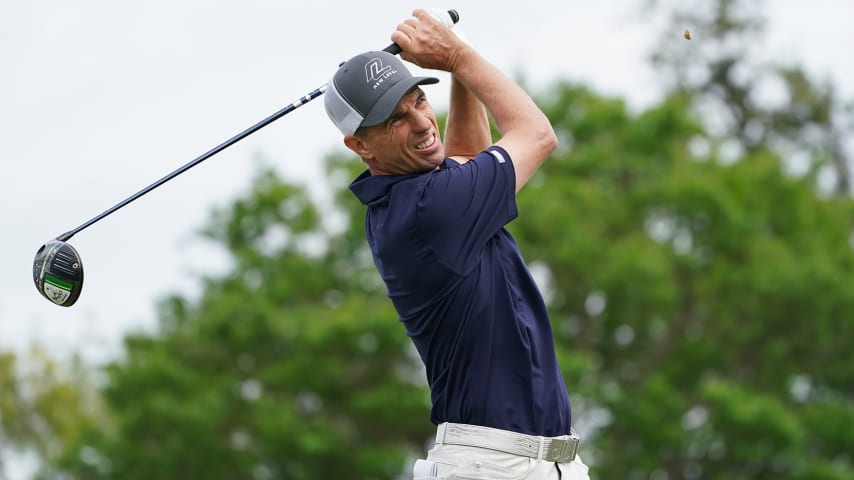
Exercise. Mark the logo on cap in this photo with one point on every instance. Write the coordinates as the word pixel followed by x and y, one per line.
pixel 376 72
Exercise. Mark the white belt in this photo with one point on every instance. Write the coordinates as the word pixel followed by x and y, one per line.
pixel 551 449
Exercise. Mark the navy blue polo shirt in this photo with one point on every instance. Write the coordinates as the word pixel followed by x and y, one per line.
pixel 464 294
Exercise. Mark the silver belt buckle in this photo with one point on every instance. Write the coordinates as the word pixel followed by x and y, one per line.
pixel 572 445
pixel 562 450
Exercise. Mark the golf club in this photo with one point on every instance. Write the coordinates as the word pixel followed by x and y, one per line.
pixel 57 268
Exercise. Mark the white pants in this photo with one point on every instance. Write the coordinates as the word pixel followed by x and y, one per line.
pixel 456 462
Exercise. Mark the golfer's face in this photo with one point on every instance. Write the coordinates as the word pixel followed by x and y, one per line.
pixel 408 142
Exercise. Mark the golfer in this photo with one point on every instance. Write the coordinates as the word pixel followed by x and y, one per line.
pixel 435 222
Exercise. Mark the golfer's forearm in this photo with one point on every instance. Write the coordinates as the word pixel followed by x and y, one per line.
pixel 526 132
pixel 467 131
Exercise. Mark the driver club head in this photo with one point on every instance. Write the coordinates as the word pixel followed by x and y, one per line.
pixel 58 273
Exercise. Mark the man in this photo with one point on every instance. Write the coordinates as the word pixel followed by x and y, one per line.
pixel 435 224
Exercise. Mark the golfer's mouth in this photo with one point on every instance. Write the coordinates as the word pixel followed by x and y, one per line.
pixel 427 145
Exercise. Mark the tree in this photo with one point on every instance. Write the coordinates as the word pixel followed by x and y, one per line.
pixel 752 103
pixel 682 289
pixel 44 404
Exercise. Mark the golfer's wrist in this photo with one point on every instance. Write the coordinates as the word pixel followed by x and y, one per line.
pixel 462 58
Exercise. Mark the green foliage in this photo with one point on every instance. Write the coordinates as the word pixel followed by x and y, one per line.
pixel 751 102
pixel 45 405
pixel 718 288
pixel 712 300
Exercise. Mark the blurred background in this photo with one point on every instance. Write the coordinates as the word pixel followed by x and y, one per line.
pixel 693 236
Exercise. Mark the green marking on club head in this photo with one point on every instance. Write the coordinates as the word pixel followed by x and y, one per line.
pixel 57 282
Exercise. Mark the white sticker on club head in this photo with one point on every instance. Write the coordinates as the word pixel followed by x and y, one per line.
pixel 57 295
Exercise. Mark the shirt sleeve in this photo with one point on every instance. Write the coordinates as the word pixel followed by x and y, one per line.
pixel 463 207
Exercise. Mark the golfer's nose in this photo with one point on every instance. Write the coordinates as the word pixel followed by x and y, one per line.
pixel 421 122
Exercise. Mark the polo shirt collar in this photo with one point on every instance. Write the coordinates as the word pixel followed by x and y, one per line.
pixel 373 190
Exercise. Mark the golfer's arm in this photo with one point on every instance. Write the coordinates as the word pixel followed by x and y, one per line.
pixel 526 132
pixel 467 130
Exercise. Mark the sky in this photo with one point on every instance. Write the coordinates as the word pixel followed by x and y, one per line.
pixel 100 98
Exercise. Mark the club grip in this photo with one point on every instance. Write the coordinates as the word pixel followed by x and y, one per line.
pixel 449 21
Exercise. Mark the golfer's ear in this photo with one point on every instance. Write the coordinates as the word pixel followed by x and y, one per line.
pixel 358 146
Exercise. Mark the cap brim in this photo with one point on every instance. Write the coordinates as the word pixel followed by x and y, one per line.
pixel 386 105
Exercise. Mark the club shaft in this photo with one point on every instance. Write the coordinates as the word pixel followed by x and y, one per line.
pixel 231 141
pixel 394 49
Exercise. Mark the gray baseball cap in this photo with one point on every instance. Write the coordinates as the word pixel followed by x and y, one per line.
pixel 366 89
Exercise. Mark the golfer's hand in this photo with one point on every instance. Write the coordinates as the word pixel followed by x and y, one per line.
pixel 426 42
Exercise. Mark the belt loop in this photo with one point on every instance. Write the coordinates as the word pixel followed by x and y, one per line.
pixel 440 433
pixel 542 447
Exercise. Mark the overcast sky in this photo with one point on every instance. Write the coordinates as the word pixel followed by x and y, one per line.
pixel 99 98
